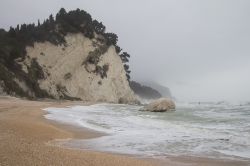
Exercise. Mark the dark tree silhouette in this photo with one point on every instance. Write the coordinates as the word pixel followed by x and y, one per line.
pixel 12 32
pixel 118 49
pixel 111 38
pixel 98 27
pixel 124 57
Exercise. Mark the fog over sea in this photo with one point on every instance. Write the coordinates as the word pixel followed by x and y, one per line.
pixel 214 130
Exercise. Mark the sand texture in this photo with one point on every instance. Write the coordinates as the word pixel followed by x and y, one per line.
pixel 25 133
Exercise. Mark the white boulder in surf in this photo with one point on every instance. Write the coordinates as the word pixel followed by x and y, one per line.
pixel 160 105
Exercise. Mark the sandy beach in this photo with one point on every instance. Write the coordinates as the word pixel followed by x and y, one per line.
pixel 25 134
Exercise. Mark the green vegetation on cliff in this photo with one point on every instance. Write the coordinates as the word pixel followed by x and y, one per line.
pixel 13 45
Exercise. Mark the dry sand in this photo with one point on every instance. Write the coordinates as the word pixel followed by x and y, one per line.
pixel 24 137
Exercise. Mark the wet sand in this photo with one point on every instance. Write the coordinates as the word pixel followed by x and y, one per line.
pixel 25 135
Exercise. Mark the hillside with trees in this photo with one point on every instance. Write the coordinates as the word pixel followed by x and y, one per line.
pixel 165 91
pixel 13 45
pixel 143 91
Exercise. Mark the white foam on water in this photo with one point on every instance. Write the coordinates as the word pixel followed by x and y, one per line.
pixel 209 130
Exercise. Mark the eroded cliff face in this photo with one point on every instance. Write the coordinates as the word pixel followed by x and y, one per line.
pixel 67 73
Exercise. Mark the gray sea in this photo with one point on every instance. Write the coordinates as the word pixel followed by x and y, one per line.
pixel 214 130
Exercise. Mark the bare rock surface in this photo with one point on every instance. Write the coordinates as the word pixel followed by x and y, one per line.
pixel 160 105
pixel 66 72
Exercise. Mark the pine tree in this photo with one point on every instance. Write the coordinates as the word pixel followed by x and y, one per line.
pixel 51 19
pixel 38 23
pixel 12 32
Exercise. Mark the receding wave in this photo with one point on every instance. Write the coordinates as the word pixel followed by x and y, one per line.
pixel 204 129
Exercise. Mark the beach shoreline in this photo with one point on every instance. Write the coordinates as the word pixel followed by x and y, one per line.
pixel 26 136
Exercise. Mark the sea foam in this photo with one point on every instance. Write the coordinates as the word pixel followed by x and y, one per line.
pixel 210 130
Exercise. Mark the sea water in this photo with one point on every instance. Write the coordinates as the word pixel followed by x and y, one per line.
pixel 216 130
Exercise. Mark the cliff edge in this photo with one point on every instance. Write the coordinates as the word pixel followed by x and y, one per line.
pixel 70 57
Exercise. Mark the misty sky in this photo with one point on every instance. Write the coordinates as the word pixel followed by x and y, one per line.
pixel 200 49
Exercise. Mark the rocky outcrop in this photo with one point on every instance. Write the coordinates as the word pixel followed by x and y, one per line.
pixel 160 105
pixel 67 73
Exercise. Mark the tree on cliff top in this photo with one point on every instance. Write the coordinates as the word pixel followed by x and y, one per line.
pixel 14 41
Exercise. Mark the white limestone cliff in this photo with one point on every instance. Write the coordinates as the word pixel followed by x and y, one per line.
pixel 65 71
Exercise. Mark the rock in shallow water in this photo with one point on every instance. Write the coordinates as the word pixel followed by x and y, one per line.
pixel 160 105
